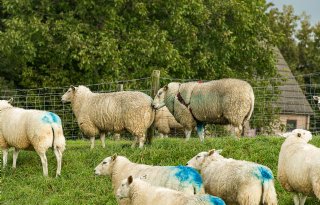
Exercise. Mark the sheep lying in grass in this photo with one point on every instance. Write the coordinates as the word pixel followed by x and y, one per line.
pixel 140 192
pixel 164 122
pixel 236 182
pixel 30 129
pixel 180 178
pixel 225 101
pixel 299 166
pixel 98 113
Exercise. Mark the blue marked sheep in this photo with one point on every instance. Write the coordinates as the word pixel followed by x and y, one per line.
pixel 140 192
pixel 235 181
pixel 30 129
pixel 181 178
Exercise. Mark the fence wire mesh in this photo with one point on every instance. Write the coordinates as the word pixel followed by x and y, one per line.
pixel 277 109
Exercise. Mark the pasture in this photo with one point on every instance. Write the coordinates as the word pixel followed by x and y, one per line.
pixel 78 184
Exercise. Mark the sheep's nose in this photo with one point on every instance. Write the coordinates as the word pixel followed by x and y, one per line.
pixel 187 164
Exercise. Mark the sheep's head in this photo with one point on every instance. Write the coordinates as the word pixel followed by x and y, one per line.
pixel 317 98
pixel 69 95
pixel 124 188
pixel 105 167
pixel 158 101
pixel 303 134
pixel 5 104
pixel 197 161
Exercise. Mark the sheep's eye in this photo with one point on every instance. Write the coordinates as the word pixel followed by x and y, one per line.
pixel 197 157
pixel 104 162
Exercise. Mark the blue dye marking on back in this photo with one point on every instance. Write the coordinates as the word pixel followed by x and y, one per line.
pixel 200 128
pixel 50 118
pixel 263 174
pixel 188 175
pixel 213 200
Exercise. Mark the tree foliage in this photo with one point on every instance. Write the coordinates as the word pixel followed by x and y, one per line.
pixel 55 43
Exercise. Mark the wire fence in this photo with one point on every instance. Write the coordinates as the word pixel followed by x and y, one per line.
pixel 277 109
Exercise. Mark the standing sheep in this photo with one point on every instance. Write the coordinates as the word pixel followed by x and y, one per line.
pixel 225 101
pixel 30 129
pixel 98 113
pixel 140 192
pixel 299 166
pixel 236 182
pixel 164 122
pixel 180 178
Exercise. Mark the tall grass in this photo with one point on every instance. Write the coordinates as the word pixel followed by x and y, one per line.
pixel 78 185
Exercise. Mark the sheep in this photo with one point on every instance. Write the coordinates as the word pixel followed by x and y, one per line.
pixel 30 129
pixel 180 178
pixel 140 192
pixel 317 98
pixel 164 122
pixel 98 113
pixel 225 101
pixel 299 166
pixel 235 181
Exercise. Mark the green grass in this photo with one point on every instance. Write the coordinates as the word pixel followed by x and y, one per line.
pixel 78 185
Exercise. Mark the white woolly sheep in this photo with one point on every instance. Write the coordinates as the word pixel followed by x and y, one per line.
pixel 98 113
pixel 140 192
pixel 180 178
pixel 164 122
pixel 317 98
pixel 225 101
pixel 30 129
pixel 236 182
pixel 299 166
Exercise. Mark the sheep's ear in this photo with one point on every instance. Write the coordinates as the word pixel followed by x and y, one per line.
pixel 73 88
pixel 165 88
pixel 114 157
pixel 130 179
pixel 315 97
pixel 10 100
pixel 219 151
pixel 211 152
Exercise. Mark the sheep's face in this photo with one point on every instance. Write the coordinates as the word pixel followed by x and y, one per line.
pixel 317 98
pixel 303 134
pixel 197 161
pixel 5 104
pixel 124 188
pixel 105 167
pixel 158 101
pixel 68 96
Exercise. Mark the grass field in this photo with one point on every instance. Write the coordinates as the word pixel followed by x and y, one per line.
pixel 78 185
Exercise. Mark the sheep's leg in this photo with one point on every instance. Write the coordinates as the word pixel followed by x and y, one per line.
pixel 135 142
pixel 15 156
pixel 5 157
pixel 117 136
pixel 92 142
pixel 302 199
pixel 188 134
pixel 103 139
pixel 238 131
pixel 296 199
pixel 44 162
pixel 161 136
pixel 166 136
pixel 58 154
pixel 141 141
pixel 200 131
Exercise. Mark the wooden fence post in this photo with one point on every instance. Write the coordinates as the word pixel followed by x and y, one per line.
pixel 155 85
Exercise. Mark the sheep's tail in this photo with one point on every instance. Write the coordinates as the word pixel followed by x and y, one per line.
pixel 248 116
pixel 269 196
pixel 58 141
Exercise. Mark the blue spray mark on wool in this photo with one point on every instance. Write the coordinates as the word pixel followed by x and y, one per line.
pixel 213 200
pixel 200 128
pixel 50 118
pixel 188 175
pixel 263 174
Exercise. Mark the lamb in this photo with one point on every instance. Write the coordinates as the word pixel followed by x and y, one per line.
pixel 179 178
pixel 30 129
pixel 140 192
pixel 98 113
pixel 236 182
pixel 225 101
pixel 299 166
pixel 164 122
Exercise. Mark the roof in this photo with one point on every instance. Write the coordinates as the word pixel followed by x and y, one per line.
pixel 292 99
